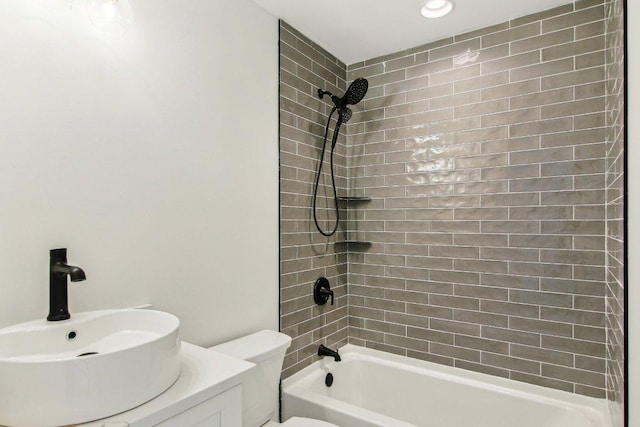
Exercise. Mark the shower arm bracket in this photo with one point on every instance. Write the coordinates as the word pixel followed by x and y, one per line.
pixel 322 93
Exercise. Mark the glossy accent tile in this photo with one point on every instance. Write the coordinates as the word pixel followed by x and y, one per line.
pixel 574 48
pixel 541 70
pixel 573 138
pixel 543 42
pixel 572 19
pixel 539 16
pixel 512 34
pixel 595 74
pixel 541 127
pixel 511 89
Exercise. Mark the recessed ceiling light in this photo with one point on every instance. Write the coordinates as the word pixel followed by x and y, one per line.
pixel 437 8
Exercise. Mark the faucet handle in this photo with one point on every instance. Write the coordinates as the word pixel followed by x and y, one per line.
pixel 57 255
pixel 326 294
pixel 322 291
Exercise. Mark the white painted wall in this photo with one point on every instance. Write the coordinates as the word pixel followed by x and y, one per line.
pixel 150 154
pixel 633 177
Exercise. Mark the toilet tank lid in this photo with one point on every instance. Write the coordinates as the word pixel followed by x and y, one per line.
pixel 255 347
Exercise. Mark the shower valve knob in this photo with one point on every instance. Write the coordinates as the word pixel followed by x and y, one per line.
pixel 322 291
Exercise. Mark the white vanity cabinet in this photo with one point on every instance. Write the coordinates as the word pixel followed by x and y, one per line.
pixel 208 393
pixel 223 410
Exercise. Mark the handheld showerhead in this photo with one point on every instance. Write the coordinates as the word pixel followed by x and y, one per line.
pixel 354 94
pixel 356 91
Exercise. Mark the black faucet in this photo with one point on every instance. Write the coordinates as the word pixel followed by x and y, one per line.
pixel 326 351
pixel 58 272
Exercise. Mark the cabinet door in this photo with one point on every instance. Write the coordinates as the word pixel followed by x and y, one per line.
pixel 223 410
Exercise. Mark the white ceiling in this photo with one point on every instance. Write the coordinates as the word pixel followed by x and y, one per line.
pixel 355 30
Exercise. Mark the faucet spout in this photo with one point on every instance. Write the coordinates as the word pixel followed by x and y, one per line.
pixel 58 272
pixel 326 351
pixel 76 274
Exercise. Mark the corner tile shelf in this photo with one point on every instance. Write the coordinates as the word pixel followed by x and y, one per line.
pixel 354 199
pixel 361 243
pixel 357 243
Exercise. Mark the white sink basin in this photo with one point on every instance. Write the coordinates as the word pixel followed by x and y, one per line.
pixel 94 365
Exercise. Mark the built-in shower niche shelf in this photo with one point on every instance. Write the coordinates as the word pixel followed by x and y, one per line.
pixel 354 199
pixel 355 244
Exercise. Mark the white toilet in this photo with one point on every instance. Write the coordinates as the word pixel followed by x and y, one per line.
pixel 260 392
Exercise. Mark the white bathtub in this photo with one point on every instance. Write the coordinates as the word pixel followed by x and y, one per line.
pixel 376 389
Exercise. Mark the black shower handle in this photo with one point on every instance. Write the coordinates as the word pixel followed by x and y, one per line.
pixel 322 291
pixel 326 294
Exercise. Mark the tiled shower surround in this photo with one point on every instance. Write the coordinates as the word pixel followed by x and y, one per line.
pixel 484 155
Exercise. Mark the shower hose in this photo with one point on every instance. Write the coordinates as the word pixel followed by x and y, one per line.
pixel 333 178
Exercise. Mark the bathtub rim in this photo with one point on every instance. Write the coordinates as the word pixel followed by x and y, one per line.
pixel 298 383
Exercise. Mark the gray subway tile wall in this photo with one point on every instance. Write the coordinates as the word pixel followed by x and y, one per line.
pixel 493 161
pixel 485 157
pixel 306 255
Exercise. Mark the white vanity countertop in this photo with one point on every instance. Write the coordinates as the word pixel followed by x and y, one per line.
pixel 205 373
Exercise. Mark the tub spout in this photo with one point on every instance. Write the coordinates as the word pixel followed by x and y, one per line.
pixel 326 351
